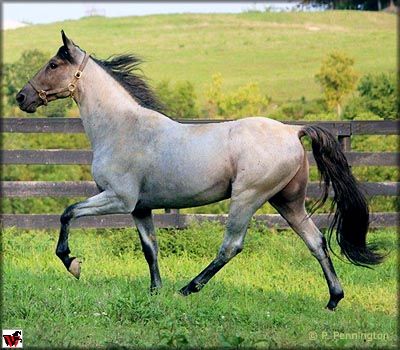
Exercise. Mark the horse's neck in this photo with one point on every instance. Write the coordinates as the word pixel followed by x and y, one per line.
pixel 107 110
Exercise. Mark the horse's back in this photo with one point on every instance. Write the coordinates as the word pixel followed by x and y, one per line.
pixel 267 138
pixel 255 151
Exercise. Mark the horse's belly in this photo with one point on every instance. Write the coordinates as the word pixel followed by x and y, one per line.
pixel 184 195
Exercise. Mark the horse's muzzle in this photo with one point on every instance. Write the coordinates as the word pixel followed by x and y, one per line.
pixel 27 102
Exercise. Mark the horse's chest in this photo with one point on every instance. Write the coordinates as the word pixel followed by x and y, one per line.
pixel 108 170
pixel 99 173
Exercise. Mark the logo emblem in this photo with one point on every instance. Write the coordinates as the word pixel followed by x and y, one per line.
pixel 12 339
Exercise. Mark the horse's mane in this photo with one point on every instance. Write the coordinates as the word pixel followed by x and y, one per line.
pixel 123 68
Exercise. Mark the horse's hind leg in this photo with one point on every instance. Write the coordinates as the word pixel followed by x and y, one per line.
pixel 144 223
pixel 241 210
pixel 290 204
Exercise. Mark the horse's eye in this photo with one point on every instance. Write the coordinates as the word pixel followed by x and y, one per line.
pixel 53 65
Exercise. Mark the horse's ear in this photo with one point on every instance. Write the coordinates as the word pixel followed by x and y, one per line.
pixel 66 41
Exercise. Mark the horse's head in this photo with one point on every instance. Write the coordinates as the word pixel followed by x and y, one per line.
pixel 58 78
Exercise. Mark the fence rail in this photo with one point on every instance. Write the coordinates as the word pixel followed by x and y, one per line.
pixel 74 125
pixel 20 189
pixel 89 188
pixel 173 220
pixel 82 157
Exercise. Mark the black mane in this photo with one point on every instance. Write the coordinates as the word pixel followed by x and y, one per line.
pixel 123 69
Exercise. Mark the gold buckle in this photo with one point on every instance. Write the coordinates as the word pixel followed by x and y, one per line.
pixel 42 94
pixel 71 87
pixel 78 74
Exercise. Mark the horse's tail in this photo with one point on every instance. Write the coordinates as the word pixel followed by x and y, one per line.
pixel 351 218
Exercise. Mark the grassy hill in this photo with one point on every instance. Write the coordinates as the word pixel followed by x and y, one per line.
pixel 281 51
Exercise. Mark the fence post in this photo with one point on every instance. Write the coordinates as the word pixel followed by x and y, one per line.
pixel 345 142
pixel 171 211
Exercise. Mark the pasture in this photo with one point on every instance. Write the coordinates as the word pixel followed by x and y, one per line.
pixel 273 294
pixel 280 51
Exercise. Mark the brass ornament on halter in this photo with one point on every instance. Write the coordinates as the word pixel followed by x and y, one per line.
pixel 43 96
pixel 71 87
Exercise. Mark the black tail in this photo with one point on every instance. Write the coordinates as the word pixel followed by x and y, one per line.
pixel 351 218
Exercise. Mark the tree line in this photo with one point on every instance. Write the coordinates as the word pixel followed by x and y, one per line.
pixel 367 5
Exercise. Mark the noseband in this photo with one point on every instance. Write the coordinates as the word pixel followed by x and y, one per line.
pixel 70 88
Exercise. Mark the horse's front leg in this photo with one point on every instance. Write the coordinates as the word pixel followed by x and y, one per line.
pixel 144 223
pixel 106 202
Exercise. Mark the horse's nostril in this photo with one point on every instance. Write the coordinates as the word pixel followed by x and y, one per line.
pixel 20 97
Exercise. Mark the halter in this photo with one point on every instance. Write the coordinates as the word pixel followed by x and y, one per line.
pixel 70 88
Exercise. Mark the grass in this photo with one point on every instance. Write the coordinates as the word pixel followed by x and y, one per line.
pixel 271 295
pixel 281 51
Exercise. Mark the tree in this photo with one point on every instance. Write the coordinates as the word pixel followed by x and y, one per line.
pixel 17 74
pixel 368 5
pixel 337 78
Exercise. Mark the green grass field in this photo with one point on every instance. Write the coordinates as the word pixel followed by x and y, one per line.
pixel 281 51
pixel 271 295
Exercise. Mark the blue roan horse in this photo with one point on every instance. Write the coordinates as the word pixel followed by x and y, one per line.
pixel 143 160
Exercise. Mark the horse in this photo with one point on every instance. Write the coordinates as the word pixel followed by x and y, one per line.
pixel 144 160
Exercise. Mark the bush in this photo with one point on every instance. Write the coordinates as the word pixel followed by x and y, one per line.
pixel 327 116
pixel 356 109
pixel 299 109
pixel 17 74
pixel 246 101
pixel 180 100
pixel 379 95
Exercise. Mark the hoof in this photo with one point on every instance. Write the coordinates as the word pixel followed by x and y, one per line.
pixel 190 288
pixel 155 290
pixel 334 301
pixel 75 268
pixel 185 291
pixel 330 307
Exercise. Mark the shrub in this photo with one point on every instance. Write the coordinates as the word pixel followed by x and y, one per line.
pixel 246 101
pixel 180 100
pixel 356 109
pixel 299 109
pixel 328 116
pixel 379 95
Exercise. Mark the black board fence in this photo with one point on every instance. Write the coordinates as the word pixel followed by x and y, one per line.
pixel 344 130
